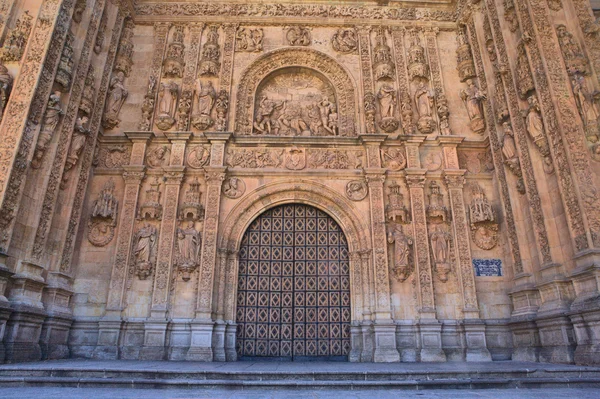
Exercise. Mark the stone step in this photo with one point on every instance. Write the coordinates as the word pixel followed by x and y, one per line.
pixel 145 383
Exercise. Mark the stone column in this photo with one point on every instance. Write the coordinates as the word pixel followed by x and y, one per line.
pixel 430 329
pixel 155 333
pixel 474 327
pixel 384 330
pixel 231 286
pixel 5 309
pixel 366 69
pixel 202 325
pixel 110 324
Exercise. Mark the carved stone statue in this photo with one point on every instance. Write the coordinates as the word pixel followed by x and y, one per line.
pixel 233 187
pixel 575 60
pixel 424 102
pixel 326 108
pixel 188 249
pixel 103 218
pixel 89 93
pixel 80 7
pixel 168 95
pixel 401 255
pixel 443 113
pixel 6 82
pixel 117 95
pixel 51 120
pixel 345 41
pixel 222 106
pixel 15 42
pixel 298 36
pixel 144 251
pixel 249 39
pixel 80 135
pixel 535 128
pixel 523 72
pixel 587 105
pixel 205 101
pixel 264 122
pixel 509 149
pixel 387 101
pixel 473 99
pixel 440 249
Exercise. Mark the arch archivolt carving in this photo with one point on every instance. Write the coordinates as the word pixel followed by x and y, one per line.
pixel 275 60
pixel 301 192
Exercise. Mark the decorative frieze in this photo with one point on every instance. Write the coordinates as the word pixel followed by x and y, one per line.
pixel 335 159
pixel 254 158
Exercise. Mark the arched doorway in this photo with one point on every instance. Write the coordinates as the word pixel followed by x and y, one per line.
pixel 293 290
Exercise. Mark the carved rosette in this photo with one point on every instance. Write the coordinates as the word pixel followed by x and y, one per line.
pixel 174 63
pixel 103 218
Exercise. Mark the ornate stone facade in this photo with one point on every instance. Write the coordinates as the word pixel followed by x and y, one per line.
pixel 372 157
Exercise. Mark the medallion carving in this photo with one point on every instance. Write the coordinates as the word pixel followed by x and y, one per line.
pixel 249 39
pixel 393 158
pixel 345 41
pixel 298 36
pixel 103 218
pixel 158 156
pixel 357 190
pixel 113 156
pixel 295 158
pixel 233 187
pixel 198 156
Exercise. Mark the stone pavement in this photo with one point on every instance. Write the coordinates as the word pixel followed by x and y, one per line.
pixel 111 393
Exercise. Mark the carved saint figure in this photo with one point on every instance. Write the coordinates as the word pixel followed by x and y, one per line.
pixel 206 97
pixel 103 218
pixel 509 150
pixel 423 100
pixel 440 242
pixel 401 254
pixel 5 87
pixel 117 95
pixel 533 121
pixel 326 108
pixel 480 209
pixel 266 108
pixel 188 245
pixel 587 106
pixel 145 243
pixel 387 101
pixel 106 205
pixel 51 119
pixel 80 135
pixel 345 40
pixel 575 60
pixel 167 97
pixel 298 36
pixel 473 99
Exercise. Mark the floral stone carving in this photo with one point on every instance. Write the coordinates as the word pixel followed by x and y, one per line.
pixel 484 228
pixel 402 257
pixel 104 215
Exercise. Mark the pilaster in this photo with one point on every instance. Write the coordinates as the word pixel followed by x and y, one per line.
pixel 5 309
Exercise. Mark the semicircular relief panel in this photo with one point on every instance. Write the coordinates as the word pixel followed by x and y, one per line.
pixel 295 101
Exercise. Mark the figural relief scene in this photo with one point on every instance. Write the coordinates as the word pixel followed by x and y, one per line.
pixel 221 181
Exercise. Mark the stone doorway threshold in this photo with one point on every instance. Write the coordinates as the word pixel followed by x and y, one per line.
pixel 311 375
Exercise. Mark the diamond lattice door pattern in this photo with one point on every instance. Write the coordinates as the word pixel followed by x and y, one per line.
pixel 294 286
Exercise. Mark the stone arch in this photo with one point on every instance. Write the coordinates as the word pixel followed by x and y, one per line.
pixel 296 57
pixel 306 192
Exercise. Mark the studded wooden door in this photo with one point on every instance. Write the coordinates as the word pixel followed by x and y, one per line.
pixel 294 287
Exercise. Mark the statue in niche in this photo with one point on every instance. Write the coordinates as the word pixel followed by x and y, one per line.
pixel 387 105
pixel 80 135
pixel 424 102
pixel 326 108
pixel 264 117
pixel 144 251
pixel 222 106
pixel 233 187
pixel 536 130
pixel 401 255
pixel 473 99
pixel 249 39
pixel 117 94
pixel 51 120
pixel 587 105
pixel 15 42
pixel 440 248
pixel 575 60
pixel 89 93
pixel 103 219
pixel 158 157
pixel 189 242
pixel 205 101
pixel 443 113
pixel 509 149
pixel 298 36
pixel 6 82
pixel 345 41
pixel 168 95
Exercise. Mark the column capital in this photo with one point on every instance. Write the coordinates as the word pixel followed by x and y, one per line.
pixel 455 178
pixel 139 137
pixel 218 137
pixel 175 137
